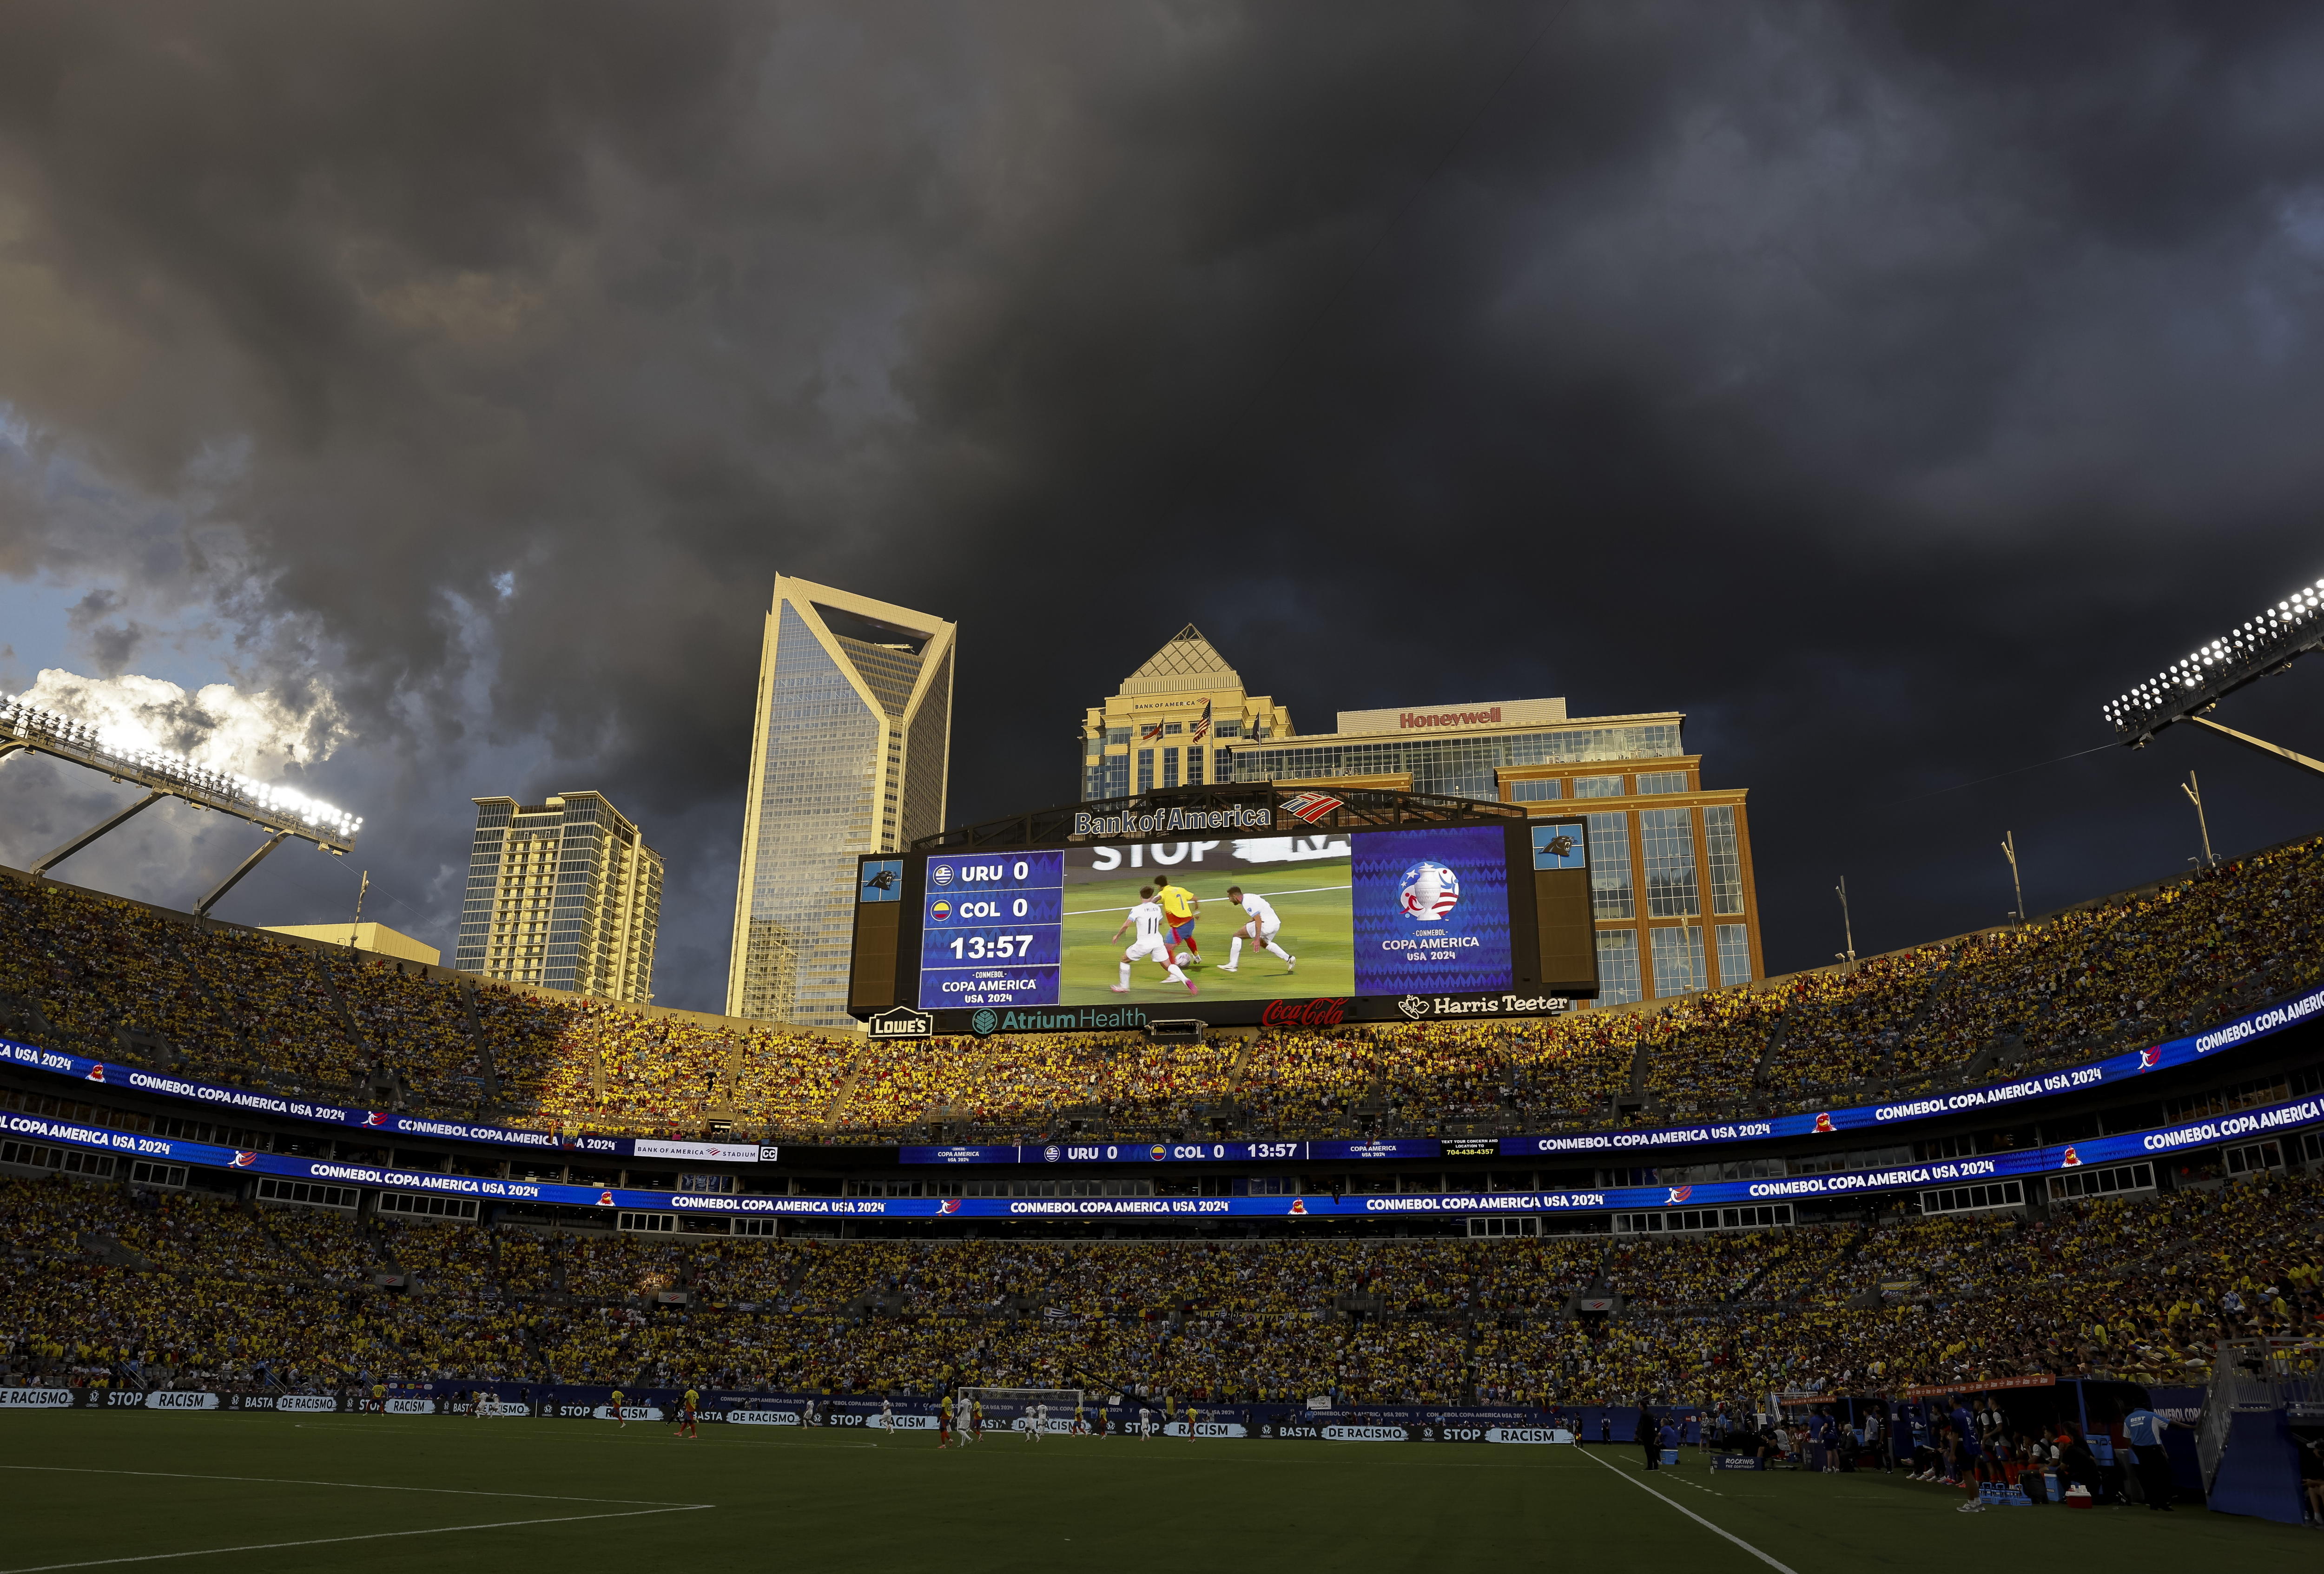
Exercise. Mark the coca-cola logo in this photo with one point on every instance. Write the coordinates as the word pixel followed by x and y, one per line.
pixel 1304 1013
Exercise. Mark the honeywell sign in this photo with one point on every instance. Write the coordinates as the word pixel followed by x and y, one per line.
pixel 1442 718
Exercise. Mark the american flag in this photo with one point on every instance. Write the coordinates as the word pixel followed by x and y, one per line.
pixel 1310 806
pixel 1203 727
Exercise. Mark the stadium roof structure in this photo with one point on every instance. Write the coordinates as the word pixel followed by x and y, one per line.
pixel 1296 811
pixel 285 812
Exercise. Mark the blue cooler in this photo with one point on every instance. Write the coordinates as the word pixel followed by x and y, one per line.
pixel 1670 1455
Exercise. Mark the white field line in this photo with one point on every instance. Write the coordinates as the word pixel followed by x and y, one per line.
pixel 1302 891
pixel 335 1541
pixel 350 1486
pixel 1673 1502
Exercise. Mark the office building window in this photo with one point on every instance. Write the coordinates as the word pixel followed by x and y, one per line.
pixel 1172 729
pixel 1117 734
pixel 1094 777
pixel 1146 770
pixel 1666 839
pixel 1229 729
pixel 1678 960
pixel 1610 867
pixel 1195 765
pixel 1734 955
pixel 1662 782
pixel 1724 851
pixel 1117 775
pixel 1597 786
pixel 1617 966
pixel 1533 792
pixel 1169 767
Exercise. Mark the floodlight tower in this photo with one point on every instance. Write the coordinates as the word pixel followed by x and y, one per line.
pixel 2190 687
pixel 282 811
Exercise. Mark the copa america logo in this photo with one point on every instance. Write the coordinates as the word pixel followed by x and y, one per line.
pixel 1431 890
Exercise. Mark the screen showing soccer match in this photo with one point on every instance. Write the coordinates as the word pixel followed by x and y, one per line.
pixel 1219 928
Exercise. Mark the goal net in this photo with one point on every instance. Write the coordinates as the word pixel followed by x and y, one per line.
pixel 1014 1408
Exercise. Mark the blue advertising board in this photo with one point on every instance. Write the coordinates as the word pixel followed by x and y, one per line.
pixel 1431 910
pixel 2294 1115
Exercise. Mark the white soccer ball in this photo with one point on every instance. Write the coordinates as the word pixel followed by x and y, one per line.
pixel 1184 957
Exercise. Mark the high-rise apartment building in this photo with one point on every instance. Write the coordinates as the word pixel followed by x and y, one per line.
pixel 564 894
pixel 1173 721
pixel 851 747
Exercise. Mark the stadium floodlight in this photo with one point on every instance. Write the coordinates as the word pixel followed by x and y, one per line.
pixel 2192 685
pixel 285 812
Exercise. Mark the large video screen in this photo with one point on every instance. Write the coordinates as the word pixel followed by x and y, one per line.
pixel 1219 929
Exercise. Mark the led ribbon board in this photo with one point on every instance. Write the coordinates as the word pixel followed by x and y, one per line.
pixel 2114 1070
pixel 2295 1115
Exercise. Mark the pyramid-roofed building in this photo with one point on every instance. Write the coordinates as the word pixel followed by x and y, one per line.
pixel 1172 721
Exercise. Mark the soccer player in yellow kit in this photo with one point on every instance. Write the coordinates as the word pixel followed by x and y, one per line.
pixel 621 1422
pixel 686 1416
pixel 1179 906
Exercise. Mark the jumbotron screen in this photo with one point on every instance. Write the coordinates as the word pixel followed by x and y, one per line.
pixel 1276 923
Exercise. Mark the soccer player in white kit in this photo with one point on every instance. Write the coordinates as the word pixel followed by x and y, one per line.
pixel 1153 941
pixel 1040 1420
pixel 886 1417
pixel 1262 928
pixel 1145 1422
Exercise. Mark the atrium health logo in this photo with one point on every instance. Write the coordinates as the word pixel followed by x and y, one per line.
pixel 985 1022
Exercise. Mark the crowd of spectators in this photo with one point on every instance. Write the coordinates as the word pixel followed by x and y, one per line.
pixel 106 977
pixel 121 1284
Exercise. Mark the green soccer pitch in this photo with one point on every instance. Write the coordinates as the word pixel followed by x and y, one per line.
pixel 445 1494
pixel 1311 898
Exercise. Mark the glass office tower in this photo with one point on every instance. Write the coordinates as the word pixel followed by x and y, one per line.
pixel 851 745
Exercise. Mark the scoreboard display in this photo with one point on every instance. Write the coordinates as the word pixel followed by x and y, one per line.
pixel 1243 917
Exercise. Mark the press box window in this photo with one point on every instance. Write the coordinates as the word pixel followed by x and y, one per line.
pixel 308 1194
pixel 646 1223
pixel 1533 792
pixel 425 1205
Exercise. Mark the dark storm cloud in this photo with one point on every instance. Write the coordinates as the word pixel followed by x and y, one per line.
pixel 1885 386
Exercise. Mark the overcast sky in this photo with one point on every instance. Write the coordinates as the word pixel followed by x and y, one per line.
pixel 1885 386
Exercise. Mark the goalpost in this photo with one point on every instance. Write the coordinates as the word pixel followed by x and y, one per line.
pixel 1011 1409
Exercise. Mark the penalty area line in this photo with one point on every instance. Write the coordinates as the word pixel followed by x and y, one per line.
pixel 654 1503
pixel 336 1541
pixel 1673 1502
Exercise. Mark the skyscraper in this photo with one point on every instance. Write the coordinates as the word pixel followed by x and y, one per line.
pixel 564 894
pixel 1173 722
pixel 850 749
